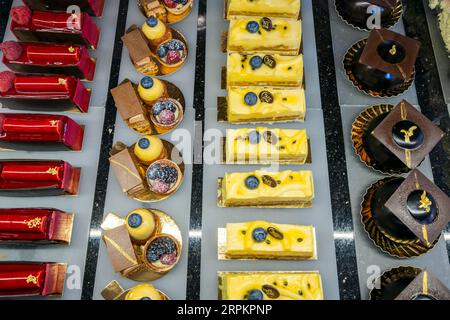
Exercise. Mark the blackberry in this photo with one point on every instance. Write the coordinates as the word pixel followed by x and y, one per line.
pixel 158 107
pixel 153 172
pixel 174 45
pixel 169 105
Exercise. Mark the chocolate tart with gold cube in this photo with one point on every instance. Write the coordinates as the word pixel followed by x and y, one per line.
pixel 409 283
pixel 264 189
pixel 262 145
pixel 247 35
pixel 263 8
pixel 144 246
pixel 382 65
pixel 156 49
pixel 357 13
pixel 288 285
pixel 168 11
pixel 405 217
pixel 152 107
pixel 262 104
pixel 265 240
pixel 143 291
pixel 394 140
pixel 150 170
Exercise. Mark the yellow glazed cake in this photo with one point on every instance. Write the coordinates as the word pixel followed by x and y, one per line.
pixel 264 240
pixel 149 149
pixel 272 8
pixel 151 89
pixel 264 145
pixel 270 286
pixel 267 189
pixel 144 291
pixel 264 70
pixel 156 31
pixel 253 104
pixel 141 224
pixel 271 35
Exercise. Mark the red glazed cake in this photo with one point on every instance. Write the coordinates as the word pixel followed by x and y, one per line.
pixel 31 279
pixel 46 93
pixel 34 225
pixel 93 7
pixel 24 57
pixel 39 130
pixel 54 27
pixel 23 178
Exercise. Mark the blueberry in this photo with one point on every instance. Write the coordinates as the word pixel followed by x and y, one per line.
pixel 162 51
pixel 259 235
pixel 172 175
pixel 254 137
pixel 152 22
pixel 255 295
pixel 144 143
pixel 160 247
pixel 147 82
pixel 153 172
pixel 145 298
pixel 169 105
pixel 135 220
pixel 253 27
pixel 158 107
pixel 252 182
pixel 256 62
pixel 183 2
pixel 175 45
pixel 251 99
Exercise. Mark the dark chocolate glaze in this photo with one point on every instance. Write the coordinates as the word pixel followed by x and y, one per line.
pixel 355 12
pixel 393 289
pixel 384 218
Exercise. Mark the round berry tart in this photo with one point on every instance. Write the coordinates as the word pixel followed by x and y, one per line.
pixel 162 253
pixel 166 113
pixel 171 54
pixel 177 7
pixel 163 177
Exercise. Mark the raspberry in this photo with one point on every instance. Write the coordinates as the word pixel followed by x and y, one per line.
pixel 170 3
pixel 173 57
pixel 166 117
pixel 21 15
pixel 160 187
pixel 6 80
pixel 169 259
pixel 11 50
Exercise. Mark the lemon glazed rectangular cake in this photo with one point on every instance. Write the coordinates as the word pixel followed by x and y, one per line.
pixel 285 189
pixel 270 286
pixel 265 240
pixel 272 8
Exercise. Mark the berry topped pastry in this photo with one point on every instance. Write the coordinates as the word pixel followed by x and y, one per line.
pixel 169 11
pixel 162 253
pixel 141 225
pixel 163 177
pixel 172 53
pixel 156 31
pixel 149 149
pixel 166 113
pixel 151 89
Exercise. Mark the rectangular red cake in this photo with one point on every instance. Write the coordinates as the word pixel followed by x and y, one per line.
pixel 33 178
pixel 72 60
pixel 39 132
pixel 45 93
pixel 55 27
pixel 32 279
pixel 35 225
pixel 93 7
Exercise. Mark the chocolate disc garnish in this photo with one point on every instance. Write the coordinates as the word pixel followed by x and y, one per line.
pixel 271 292
pixel 266 24
pixel 269 181
pixel 422 206
pixel 266 96
pixel 408 135
pixel 275 233
pixel 270 137
pixel 269 61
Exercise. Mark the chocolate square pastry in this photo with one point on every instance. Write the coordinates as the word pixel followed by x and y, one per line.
pixel 120 248
pixel 425 287
pixel 391 52
pixel 137 44
pixel 127 100
pixel 408 134
pixel 421 207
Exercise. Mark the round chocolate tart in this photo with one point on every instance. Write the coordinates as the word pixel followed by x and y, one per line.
pixel 393 282
pixel 369 149
pixel 384 228
pixel 355 13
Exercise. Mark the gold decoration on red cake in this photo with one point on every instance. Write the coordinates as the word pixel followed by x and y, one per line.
pixel 31 279
pixel 62 81
pixel 53 171
pixel 33 223
pixel 71 49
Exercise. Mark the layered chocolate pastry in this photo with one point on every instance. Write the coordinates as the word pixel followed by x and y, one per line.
pixel 143 291
pixel 39 132
pixel 71 60
pixel 383 64
pixel 405 217
pixel 370 14
pixel 35 226
pixel 46 93
pixel 394 139
pixel 93 7
pixel 18 279
pixel 168 11
pixel 54 27
pixel 33 178
pixel 144 246
pixel 151 170
pixel 408 283
pixel 157 49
